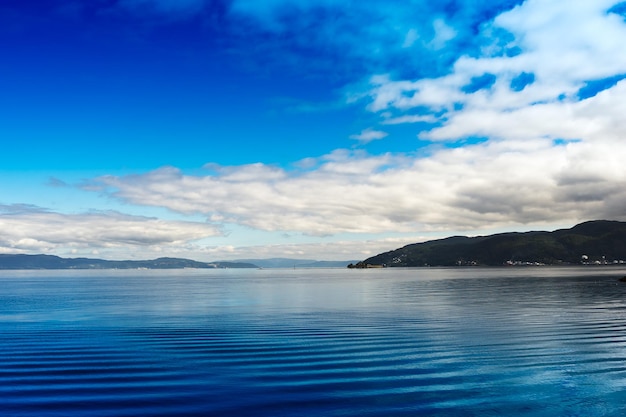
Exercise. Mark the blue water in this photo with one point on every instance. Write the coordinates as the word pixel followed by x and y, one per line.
pixel 391 342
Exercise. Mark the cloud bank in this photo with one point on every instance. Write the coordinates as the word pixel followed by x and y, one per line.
pixel 492 184
pixel 36 230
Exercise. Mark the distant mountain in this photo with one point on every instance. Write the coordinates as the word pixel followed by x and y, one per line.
pixel 593 242
pixel 294 263
pixel 55 262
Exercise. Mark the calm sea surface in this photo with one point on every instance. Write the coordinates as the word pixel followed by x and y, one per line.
pixel 331 342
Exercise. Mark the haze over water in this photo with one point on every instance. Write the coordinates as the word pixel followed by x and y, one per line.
pixel 334 342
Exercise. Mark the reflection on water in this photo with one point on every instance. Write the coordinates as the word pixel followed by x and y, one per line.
pixel 393 342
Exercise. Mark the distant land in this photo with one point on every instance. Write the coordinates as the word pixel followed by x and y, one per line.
pixel 21 261
pixel 295 263
pixel 598 242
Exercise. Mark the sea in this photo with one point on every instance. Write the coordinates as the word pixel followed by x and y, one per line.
pixel 517 341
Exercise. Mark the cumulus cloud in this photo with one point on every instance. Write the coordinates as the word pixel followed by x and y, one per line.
pixel 546 97
pixel 492 184
pixel 36 230
pixel 544 53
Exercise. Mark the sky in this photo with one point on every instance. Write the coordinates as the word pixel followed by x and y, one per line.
pixel 317 129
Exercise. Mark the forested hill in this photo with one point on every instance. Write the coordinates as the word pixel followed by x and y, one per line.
pixel 592 242
pixel 54 262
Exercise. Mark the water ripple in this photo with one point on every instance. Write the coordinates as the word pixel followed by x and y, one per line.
pixel 399 346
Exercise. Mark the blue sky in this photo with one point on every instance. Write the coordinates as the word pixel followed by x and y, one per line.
pixel 328 129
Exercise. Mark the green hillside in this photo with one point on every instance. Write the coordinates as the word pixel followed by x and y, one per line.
pixel 593 242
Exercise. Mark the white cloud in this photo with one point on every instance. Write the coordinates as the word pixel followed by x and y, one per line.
pixel 409 119
pixel 562 45
pixel 34 230
pixel 595 119
pixel 495 184
pixel 443 34
pixel 368 135
pixel 411 37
